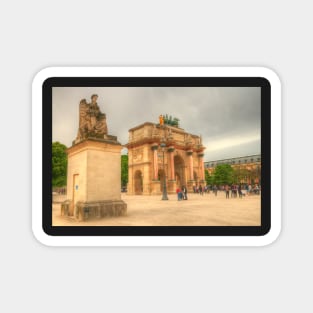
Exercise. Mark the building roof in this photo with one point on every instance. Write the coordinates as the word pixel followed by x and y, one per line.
pixel 239 160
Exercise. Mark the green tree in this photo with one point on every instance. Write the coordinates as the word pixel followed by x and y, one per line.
pixel 223 174
pixel 209 178
pixel 124 170
pixel 59 164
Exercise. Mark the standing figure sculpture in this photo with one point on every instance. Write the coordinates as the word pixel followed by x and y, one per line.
pixel 92 122
pixel 161 120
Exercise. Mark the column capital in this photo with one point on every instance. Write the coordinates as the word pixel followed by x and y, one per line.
pixel 154 146
pixel 171 149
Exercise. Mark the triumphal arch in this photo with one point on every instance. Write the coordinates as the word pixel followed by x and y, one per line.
pixel 160 152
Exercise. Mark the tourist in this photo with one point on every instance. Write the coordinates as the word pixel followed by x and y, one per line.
pixel 227 191
pixel 201 190
pixel 239 191
pixel 184 190
pixel 215 190
pixel 179 194
pixel 249 189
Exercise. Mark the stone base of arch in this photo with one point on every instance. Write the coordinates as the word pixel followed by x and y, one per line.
pixel 155 187
pixel 172 186
pixel 190 184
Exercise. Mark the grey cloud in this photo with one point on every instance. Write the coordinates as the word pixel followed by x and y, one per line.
pixel 211 112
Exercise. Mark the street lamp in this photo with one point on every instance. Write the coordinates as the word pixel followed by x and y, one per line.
pixel 164 196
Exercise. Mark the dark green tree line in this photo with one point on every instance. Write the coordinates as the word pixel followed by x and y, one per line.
pixel 124 170
pixel 223 174
pixel 59 164
pixel 209 178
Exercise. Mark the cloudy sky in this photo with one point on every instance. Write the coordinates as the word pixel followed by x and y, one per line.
pixel 227 118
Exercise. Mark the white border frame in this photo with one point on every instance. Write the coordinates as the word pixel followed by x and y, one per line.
pixel 156 240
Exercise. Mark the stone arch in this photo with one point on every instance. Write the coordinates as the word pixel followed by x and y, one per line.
pixel 138 182
pixel 179 166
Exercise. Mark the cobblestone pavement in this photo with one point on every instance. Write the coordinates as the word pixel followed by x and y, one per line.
pixel 198 210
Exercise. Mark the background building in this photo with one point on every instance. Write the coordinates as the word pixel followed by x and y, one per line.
pixel 247 169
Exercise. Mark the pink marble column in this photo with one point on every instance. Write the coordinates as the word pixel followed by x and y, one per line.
pixel 201 170
pixel 155 162
pixel 172 165
pixel 189 153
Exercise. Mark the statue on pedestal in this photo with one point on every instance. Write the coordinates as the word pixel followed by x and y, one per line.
pixel 93 168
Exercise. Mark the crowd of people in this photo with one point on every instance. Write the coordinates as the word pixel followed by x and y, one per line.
pixel 233 190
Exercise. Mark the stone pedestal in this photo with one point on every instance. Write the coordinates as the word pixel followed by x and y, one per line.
pixel 94 178
pixel 99 209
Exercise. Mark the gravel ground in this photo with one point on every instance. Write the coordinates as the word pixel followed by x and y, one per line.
pixel 198 210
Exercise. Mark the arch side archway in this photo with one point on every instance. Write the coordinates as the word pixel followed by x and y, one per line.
pixel 179 166
pixel 138 183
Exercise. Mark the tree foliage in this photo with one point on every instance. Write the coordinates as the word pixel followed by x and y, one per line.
pixel 209 178
pixel 59 164
pixel 124 170
pixel 223 174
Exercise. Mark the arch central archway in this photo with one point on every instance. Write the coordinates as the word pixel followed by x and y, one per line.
pixel 179 168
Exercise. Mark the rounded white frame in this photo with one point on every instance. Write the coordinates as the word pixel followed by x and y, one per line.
pixel 41 76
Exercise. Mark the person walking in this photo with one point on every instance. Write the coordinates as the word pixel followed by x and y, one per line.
pixel 179 194
pixel 184 190
pixel 215 190
pixel 239 191
pixel 227 191
pixel 235 191
pixel 201 190
pixel 249 189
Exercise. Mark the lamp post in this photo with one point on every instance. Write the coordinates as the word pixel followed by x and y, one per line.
pixel 164 196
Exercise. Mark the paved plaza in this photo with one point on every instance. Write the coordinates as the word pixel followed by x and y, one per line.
pixel 198 210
